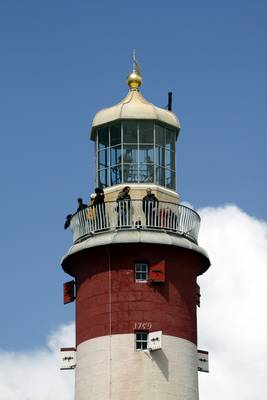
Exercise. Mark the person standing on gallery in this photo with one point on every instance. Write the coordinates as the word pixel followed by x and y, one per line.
pixel 124 207
pixel 150 208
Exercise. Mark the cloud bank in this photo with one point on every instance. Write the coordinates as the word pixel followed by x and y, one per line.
pixel 232 321
pixel 35 375
pixel 232 318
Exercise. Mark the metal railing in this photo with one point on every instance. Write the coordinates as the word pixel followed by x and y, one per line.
pixel 135 214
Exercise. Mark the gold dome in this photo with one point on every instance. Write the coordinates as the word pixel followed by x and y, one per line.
pixel 134 81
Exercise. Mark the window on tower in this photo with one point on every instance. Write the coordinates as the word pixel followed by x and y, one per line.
pixel 130 132
pixel 141 338
pixel 141 272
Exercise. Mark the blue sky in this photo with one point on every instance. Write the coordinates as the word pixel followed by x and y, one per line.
pixel 61 61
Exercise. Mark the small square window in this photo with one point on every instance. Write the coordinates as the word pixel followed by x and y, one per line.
pixel 141 340
pixel 141 272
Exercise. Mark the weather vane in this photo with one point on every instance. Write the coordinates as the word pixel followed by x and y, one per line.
pixel 136 66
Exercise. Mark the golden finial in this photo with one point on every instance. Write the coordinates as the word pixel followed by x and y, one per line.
pixel 134 80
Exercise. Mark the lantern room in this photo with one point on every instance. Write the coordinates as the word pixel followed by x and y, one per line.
pixel 135 141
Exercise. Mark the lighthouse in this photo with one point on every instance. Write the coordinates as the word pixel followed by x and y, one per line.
pixel 134 263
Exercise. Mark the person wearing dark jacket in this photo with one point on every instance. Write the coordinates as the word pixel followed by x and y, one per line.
pixel 99 204
pixel 124 207
pixel 150 208
pixel 81 205
pixel 100 196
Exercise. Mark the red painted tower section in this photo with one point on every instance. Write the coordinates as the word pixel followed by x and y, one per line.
pixel 135 263
pixel 169 306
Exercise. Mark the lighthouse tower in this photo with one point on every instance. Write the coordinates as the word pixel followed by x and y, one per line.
pixel 135 260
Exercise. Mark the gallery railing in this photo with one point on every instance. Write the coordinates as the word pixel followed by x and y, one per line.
pixel 135 214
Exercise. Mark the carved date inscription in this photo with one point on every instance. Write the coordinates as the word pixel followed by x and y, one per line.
pixel 146 326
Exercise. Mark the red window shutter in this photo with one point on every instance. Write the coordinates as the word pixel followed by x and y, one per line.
pixel 69 292
pixel 157 271
pixel 198 295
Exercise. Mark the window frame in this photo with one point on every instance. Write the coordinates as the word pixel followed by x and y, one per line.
pixel 141 272
pixel 141 332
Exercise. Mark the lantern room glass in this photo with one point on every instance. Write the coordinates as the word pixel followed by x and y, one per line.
pixel 132 151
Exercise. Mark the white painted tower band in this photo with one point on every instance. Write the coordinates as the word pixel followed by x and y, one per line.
pixel 167 374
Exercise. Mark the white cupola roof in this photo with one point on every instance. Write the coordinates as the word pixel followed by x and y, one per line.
pixel 134 106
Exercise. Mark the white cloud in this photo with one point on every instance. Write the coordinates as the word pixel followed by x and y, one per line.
pixel 232 322
pixel 36 375
pixel 232 318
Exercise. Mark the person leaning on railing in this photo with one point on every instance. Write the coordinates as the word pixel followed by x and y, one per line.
pixel 124 207
pixel 81 205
